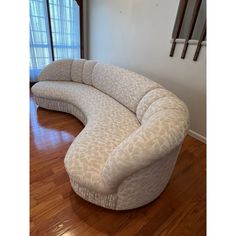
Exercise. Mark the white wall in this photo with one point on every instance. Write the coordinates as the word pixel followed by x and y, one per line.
pixel 135 34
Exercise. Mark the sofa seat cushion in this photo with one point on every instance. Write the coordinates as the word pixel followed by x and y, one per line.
pixel 107 124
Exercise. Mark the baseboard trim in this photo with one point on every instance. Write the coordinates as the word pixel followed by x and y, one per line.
pixel 197 136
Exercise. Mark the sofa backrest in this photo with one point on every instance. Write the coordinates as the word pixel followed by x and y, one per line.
pixel 57 70
pixel 81 71
pixel 77 70
pixel 138 93
pixel 149 98
pixel 125 86
pixel 88 71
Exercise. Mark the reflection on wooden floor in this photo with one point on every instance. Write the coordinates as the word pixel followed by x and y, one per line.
pixel 56 210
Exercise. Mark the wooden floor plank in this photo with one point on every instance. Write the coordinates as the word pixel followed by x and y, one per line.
pixel 56 210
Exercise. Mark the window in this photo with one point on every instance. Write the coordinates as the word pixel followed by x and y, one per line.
pixel 55 32
pixel 190 24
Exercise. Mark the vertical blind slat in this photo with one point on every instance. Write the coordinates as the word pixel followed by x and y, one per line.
pixel 178 24
pixel 199 45
pixel 191 27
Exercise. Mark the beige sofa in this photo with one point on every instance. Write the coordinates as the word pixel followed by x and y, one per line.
pixel 134 129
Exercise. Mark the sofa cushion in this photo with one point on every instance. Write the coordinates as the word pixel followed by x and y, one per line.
pixel 168 103
pixel 125 86
pixel 88 71
pixel 108 123
pixel 57 70
pixel 149 98
pixel 77 70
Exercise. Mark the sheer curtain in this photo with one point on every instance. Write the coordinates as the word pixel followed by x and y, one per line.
pixel 40 48
pixel 65 27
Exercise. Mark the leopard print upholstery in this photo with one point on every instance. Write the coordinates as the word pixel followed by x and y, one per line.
pixel 134 129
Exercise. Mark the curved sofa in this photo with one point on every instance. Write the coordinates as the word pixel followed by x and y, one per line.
pixel 134 129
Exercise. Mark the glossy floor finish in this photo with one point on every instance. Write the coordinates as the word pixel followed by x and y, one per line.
pixel 56 210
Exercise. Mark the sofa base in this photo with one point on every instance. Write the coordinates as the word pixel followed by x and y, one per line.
pixel 135 191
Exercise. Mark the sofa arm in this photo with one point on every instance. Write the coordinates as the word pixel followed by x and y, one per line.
pixel 57 70
pixel 158 136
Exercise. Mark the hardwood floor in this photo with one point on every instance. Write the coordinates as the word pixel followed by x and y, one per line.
pixel 56 210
